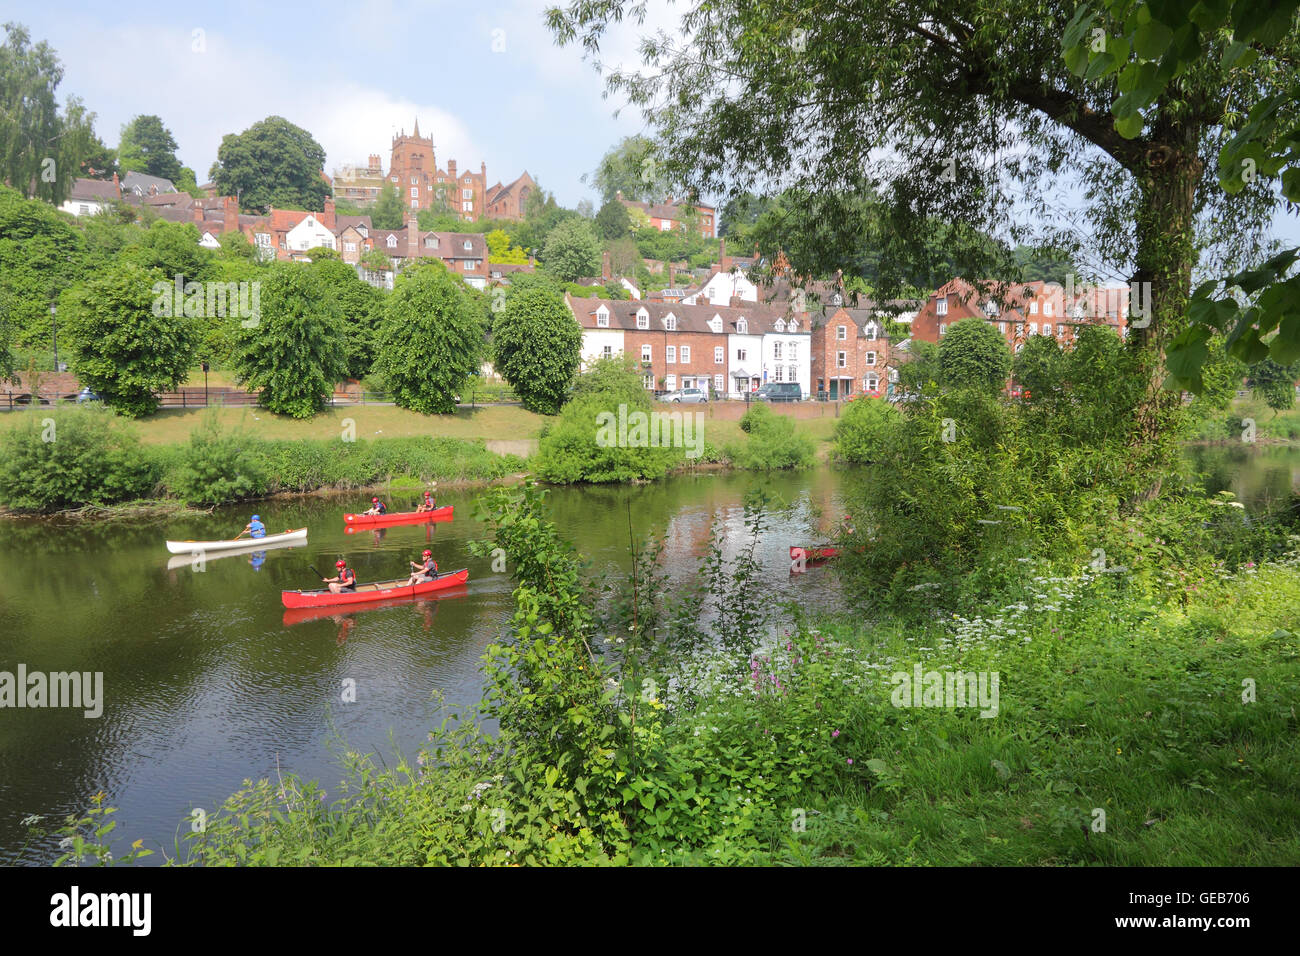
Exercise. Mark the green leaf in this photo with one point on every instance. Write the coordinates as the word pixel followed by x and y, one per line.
pixel 877 766
pixel 1130 127
pixel 1151 40
pixel 647 800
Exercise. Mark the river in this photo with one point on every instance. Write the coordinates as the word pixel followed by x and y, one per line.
pixel 208 682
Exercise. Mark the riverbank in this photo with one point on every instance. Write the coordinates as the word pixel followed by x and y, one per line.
pixel 1104 726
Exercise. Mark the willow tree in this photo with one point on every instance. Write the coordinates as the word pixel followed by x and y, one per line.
pixel 961 113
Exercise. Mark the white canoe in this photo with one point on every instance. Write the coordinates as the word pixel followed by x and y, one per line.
pixel 189 558
pixel 189 547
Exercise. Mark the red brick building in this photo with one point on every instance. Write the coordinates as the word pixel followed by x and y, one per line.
pixel 669 214
pixel 510 202
pixel 413 169
pixel 851 354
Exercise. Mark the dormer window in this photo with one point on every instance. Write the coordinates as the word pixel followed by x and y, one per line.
pixel 670 322
pixel 392 242
pixel 468 245
pixel 742 326
pixel 941 307
pixel 872 330
pixel 715 323
pixel 602 318
pixel 990 308
pixel 364 233
pixel 642 319
pixel 430 242
pixel 780 325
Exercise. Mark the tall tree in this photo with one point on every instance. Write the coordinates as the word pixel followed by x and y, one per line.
pixel 41 253
pixel 571 251
pixel 272 163
pixel 973 354
pixel 977 100
pixel 147 146
pixel 633 168
pixel 295 350
pixel 124 348
pixel 613 222
pixel 430 339
pixel 41 149
pixel 388 212
pixel 537 347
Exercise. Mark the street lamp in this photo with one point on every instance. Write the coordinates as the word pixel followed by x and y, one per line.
pixel 54 323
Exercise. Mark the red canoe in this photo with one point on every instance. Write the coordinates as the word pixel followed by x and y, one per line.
pixel 375 591
pixel 299 615
pixel 813 554
pixel 400 517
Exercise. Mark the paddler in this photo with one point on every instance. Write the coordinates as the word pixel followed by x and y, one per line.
pixel 254 528
pixel 426 570
pixel 428 504
pixel 346 579
pixel 377 507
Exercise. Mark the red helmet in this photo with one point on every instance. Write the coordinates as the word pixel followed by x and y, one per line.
pixel 427 553
pixel 340 563
pixel 374 500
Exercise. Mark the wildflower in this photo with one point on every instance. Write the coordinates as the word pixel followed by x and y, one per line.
pixel 835 733
pixel 850 761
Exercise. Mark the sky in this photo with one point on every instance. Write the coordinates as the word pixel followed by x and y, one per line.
pixel 485 79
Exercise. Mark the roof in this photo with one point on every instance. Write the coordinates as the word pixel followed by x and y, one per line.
pixel 496 192
pixel 690 318
pixel 342 222
pixel 141 184
pixel 96 189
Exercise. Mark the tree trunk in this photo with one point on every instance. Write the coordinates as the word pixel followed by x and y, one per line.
pixel 1166 254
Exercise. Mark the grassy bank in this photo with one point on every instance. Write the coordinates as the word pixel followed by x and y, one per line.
pixel 1232 425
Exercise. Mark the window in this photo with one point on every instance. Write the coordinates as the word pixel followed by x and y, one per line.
pixel 467 206
pixel 941 307
pixel 871 358
pixel 670 382
pixel 1020 329
pixel 648 381
pixel 671 354
pixel 841 359
pixel 665 226
pixel 263 240
pixel 1047 328
pixel 1033 328
pixel 415 191
pixel 396 179
pixel 467 194
pixel 602 318
pixel 715 323
pixel 780 325
pixel 1002 327
pixel 642 319
pixel 870 383
pixel 794 373
pixel 349 247
pixel 794 351
pixel 607 352
pixel 392 242
pixel 776 350
pixel 670 322
pixel 414 180
pixel 943 327
pixel 430 242
pixel 718 383
pixel 872 331
pixel 841 332
pixel 686 353
pixel 468 245
pixel 646 354
pixel 1033 308
pixel 742 326
pixel 794 325
pixel 1047 308
pixel 83 209
pixel 415 204
pixel 467 180
pixel 718 356
pixel 780 374
pixel 740 355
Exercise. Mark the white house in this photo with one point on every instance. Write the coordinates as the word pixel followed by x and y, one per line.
pixel 89 196
pixel 603 341
pixel 787 352
pixel 309 234
pixel 719 288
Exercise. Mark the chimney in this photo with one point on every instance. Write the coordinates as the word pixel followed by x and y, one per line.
pixel 605 272
pixel 724 260
pixel 482 168
pixel 197 208
pixel 670 275
pixel 117 187
pixel 736 302
pixel 327 217
pixel 451 168
pixel 230 210
pixel 412 238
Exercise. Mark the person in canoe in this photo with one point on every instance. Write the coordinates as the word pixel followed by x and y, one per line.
pixel 428 504
pixel 345 581
pixel 254 528
pixel 426 570
pixel 377 507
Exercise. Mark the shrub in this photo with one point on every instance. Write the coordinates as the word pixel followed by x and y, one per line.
pixel 70 458
pixel 774 442
pixel 217 467
pixel 572 449
pixel 862 427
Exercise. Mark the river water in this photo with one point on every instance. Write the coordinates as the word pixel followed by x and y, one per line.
pixel 208 681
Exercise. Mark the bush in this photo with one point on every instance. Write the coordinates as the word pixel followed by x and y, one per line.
pixel 574 448
pixel 774 442
pixel 862 429
pixel 72 457
pixel 217 467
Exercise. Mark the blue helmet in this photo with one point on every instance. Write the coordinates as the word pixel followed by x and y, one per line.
pixel 257 517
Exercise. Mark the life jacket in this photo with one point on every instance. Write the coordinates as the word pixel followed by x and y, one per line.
pixel 347 577
pixel 257 529
pixel 381 508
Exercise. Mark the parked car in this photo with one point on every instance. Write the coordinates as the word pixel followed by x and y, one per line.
pixel 86 395
pixel 779 392
pixel 687 395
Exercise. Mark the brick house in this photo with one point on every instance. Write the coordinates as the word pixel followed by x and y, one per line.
pixel 731 350
pixel 89 196
pixel 669 214
pixel 1021 309
pixel 413 169
pixel 464 253
pixel 851 354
